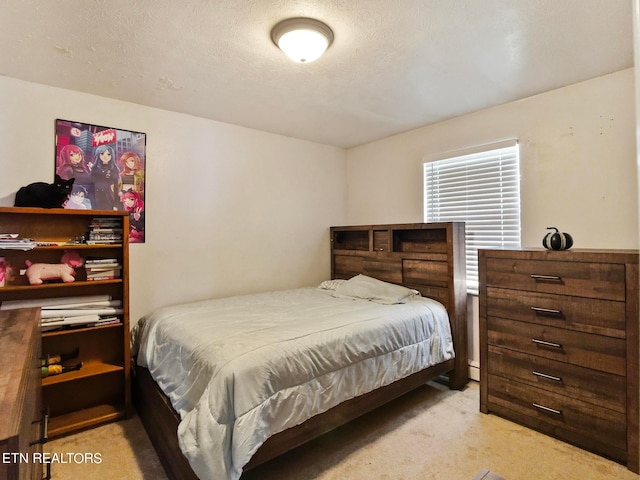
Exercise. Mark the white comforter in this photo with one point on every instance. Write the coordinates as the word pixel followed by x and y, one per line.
pixel 240 369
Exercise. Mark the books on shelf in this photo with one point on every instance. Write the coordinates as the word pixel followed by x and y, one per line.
pixel 102 268
pixel 107 321
pixel 101 239
pixel 105 230
pixel 114 275
pixel 99 261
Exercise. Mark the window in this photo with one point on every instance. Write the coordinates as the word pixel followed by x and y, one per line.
pixel 481 188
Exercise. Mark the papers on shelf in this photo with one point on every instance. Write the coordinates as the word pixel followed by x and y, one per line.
pixel 60 321
pixel 100 304
pixel 56 313
pixel 58 302
pixel 12 241
pixel 55 244
pixel 81 320
pixel 87 310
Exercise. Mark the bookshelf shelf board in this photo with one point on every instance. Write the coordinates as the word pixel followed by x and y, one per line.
pixel 78 246
pixel 46 286
pixel 66 331
pixel 89 369
pixel 85 418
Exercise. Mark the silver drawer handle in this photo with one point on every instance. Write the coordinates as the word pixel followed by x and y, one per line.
pixel 547 311
pixel 548 377
pixel 547 409
pixel 549 278
pixel 546 344
pixel 44 424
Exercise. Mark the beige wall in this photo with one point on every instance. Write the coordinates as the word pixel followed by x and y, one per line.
pixel 578 167
pixel 577 156
pixel 229 209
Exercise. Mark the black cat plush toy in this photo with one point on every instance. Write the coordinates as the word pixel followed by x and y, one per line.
pixel 45 195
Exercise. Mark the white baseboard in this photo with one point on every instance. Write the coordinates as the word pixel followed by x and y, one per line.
pixel 474 372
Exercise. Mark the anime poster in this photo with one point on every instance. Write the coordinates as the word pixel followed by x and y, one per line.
pixel 108 165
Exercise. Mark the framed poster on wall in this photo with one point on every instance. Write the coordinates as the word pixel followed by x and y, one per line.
pixel 108 165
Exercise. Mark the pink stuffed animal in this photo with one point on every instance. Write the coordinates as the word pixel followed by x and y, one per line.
pixel 72 258
pixel 38 272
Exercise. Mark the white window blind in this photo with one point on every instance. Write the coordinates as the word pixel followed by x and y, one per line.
pixel 481 189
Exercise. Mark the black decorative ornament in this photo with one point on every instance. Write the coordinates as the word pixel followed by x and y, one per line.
pixel 557 240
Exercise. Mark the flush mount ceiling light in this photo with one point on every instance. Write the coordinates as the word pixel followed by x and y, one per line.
pixel 303 40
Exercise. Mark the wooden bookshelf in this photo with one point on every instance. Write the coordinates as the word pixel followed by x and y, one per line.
pixel 100 391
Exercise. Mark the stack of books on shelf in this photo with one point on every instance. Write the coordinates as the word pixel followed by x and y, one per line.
pixel 105 230
pixel 80 311
pixel 102 268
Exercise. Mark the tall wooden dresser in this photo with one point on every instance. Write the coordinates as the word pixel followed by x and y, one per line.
pixel 22 424
pixel 559 345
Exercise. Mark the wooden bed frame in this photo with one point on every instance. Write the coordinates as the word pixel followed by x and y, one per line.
pixel 429 257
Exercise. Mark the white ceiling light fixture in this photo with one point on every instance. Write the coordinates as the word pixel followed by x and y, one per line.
pixel 303 40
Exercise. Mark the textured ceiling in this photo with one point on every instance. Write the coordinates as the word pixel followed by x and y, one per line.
pixel 395 65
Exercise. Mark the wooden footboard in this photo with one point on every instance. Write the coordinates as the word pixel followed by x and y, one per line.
pixel 343 413
pixel 161 421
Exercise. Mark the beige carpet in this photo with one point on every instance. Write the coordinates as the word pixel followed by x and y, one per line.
pixel 432 433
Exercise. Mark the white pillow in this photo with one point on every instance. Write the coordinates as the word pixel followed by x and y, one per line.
pixel 331 284
pixel 367 288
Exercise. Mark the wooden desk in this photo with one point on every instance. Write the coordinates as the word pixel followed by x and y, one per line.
pixel 21 426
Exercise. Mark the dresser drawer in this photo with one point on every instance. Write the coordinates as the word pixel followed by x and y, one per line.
pixel 604 317
pixel 598 352
pixel 581 279
pixel 583 424
pixel 592 386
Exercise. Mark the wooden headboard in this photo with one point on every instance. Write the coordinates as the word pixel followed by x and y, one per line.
pixel 428 257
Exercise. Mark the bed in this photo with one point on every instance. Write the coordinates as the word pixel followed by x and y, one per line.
pixel 227 384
